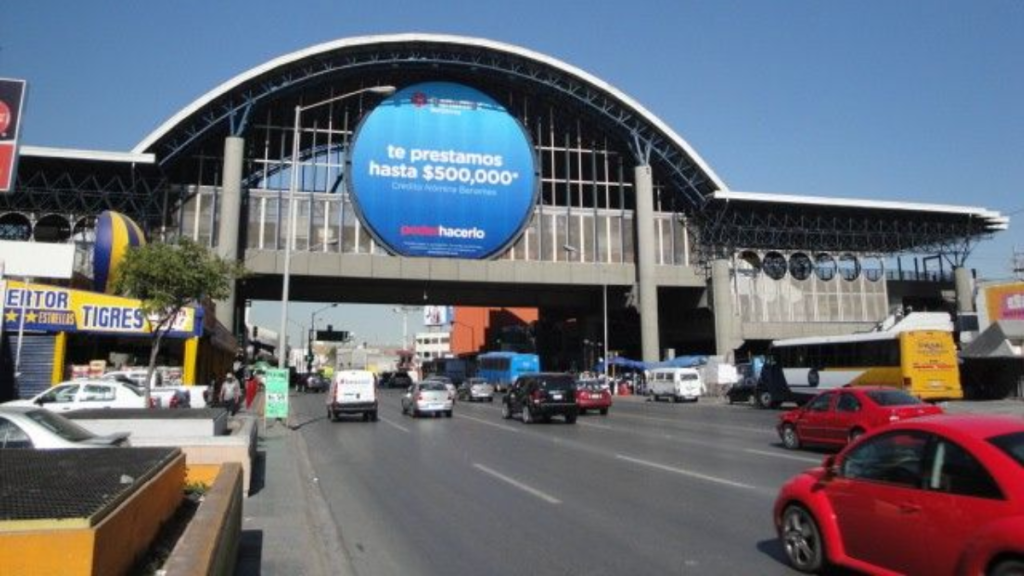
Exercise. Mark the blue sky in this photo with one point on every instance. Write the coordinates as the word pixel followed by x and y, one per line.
pixel 911 101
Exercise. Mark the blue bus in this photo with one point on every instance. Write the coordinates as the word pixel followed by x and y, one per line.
pixel 502 368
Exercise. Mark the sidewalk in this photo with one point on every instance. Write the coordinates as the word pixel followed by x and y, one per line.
pixel 286 526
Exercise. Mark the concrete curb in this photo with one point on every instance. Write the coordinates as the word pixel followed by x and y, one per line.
pixel 209 545
pixel 335 556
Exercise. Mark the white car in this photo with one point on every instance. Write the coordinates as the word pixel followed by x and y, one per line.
pixel 163 395
pixel 428 397
pixel 32 427
pixel 86 394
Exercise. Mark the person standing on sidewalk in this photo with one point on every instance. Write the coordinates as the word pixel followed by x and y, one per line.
pixel 230 393
pixel 251 386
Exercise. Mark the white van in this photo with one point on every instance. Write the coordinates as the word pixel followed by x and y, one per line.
pixel 677 384
pixel 353 392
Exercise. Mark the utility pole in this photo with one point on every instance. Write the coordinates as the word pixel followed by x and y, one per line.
pixel 1018 263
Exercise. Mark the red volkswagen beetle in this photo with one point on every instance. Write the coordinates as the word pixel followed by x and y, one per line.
pixel 838 416
pixel 930 496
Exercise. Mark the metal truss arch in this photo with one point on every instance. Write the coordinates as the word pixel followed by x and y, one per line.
pixel 399 58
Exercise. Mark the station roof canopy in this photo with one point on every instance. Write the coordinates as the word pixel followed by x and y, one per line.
pixel 782 221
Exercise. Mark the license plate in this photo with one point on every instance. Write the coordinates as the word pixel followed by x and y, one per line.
pixel 556 396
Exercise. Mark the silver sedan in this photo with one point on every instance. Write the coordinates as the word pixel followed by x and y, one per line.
pixel 32 427
pixel 476 389
pixel 428 397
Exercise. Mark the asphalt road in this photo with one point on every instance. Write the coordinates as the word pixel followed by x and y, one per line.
pixel 652 488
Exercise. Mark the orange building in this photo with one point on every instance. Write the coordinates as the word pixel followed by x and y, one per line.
pixel 479 329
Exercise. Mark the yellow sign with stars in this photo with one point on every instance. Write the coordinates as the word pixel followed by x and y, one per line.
pixel 57 309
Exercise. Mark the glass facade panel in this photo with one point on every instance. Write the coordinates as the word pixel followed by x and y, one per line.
pixel 253 230
pixel 627 239
pixel 204 231
pixel 585 195
pixel 321 239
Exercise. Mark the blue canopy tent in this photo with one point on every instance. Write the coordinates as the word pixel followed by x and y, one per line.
pixel 627 364
pixel 621 363
pixel 679 362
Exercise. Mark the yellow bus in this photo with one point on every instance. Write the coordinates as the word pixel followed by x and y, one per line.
pixel 915 354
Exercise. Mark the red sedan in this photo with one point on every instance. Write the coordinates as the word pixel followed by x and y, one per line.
pixel 836 417
pixel 930 496
pixel 593 396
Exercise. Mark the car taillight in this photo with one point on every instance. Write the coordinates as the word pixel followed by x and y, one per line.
pixel 152 402
pixel 535 395
pixel 419 397
pixel 450 396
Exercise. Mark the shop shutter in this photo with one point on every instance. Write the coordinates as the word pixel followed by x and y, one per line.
pixel 36 362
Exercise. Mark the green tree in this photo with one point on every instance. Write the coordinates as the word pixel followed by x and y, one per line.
pixel 169 277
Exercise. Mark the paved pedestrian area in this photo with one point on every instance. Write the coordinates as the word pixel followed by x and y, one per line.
pixel 286 526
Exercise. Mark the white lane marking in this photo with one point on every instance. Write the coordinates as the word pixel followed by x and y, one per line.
pixel 395 424
pixel 592 425
pixel 783 455
pixel 489 423
pixel 689 473
pixel 528 489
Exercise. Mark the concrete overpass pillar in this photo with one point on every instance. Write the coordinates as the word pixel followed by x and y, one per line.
pixel 964 286
pixel 721 294
pixel 645 263
pixel 230 216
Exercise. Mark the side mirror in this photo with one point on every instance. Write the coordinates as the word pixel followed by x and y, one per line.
pixel 40 401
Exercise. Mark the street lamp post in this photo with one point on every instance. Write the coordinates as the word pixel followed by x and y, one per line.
pixel 405 322
pixel 604 309
pixel 292 188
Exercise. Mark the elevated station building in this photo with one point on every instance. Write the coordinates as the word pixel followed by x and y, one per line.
pixel 437 169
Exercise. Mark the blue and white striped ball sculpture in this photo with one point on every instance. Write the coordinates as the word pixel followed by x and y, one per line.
pixel 115 234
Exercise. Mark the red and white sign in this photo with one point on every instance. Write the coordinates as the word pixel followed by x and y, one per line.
pixel 12 97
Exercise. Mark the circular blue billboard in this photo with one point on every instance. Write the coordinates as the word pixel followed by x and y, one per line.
pixel 441 169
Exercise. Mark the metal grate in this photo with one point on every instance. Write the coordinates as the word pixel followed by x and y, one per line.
pixel 65 484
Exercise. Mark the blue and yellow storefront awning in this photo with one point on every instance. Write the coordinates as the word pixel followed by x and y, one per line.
pixel 46 308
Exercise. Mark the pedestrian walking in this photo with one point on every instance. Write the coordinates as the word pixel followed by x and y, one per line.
pixel 231 393
pixel 251 386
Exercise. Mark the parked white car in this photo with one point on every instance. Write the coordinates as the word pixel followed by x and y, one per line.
pixel 33 427
pixel 353 392
pixel 162 395
pixel 676 384
pixel 86 394
pixel 428 397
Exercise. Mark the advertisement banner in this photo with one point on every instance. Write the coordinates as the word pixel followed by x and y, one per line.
pixel 56 309
pixel 276 385
pixel 12 97
pixel 1005 302
pixel 443 170
pixel 437 315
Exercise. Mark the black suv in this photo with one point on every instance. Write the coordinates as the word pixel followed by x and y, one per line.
pixel 541 396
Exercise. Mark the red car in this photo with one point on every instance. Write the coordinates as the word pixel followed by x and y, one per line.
pixel 838 416
pixel 593 396
pixel 930 496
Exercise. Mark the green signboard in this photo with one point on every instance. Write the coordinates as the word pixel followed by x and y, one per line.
pixel 277 394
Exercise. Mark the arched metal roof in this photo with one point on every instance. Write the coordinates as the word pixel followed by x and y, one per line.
pixel 228 103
